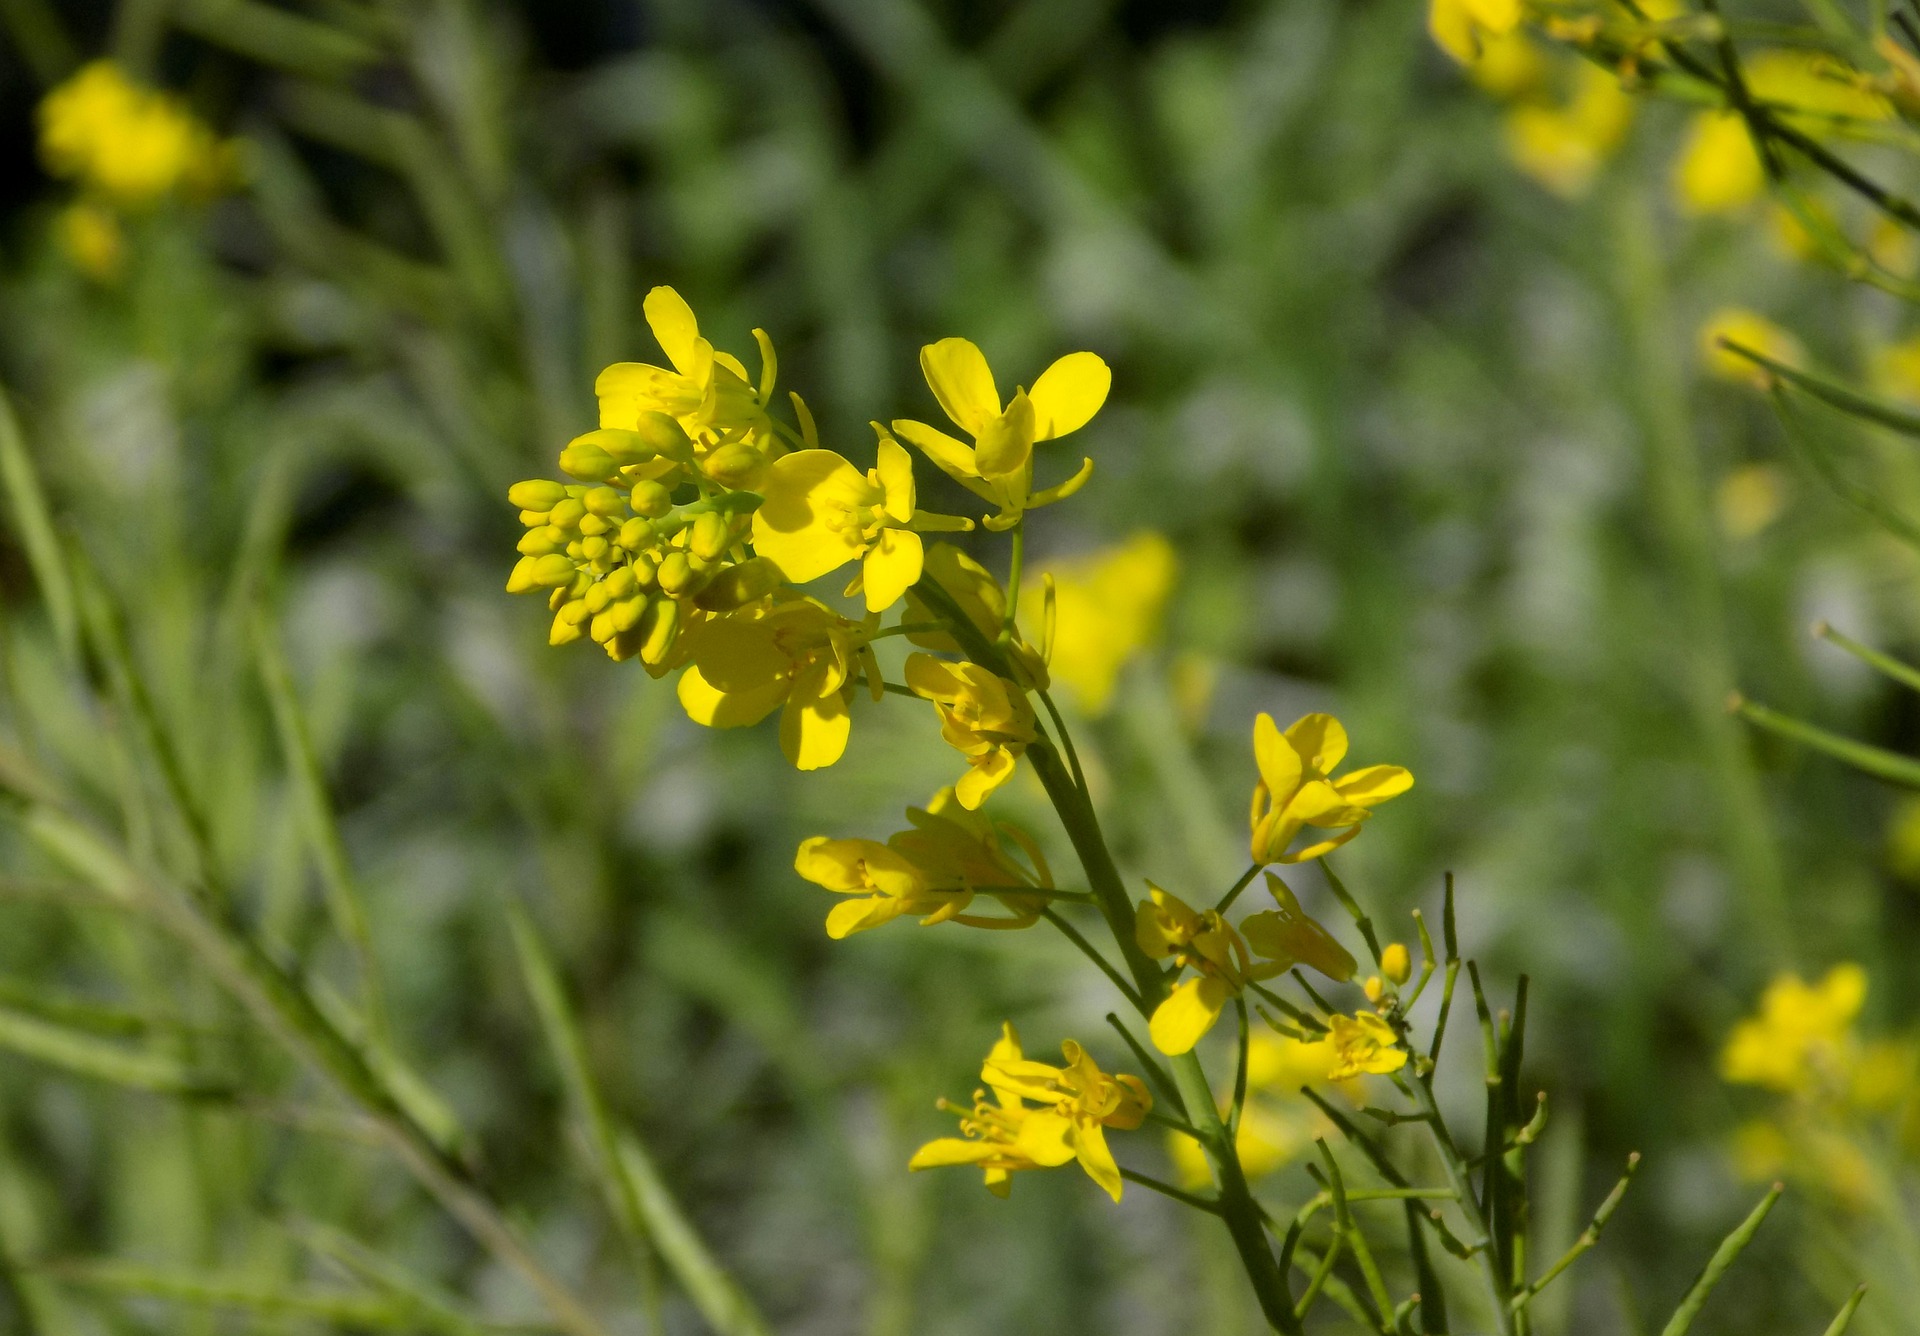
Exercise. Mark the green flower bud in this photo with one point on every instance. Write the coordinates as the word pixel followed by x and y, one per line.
pixel 551 570
pixel 538 494
pixel 588 462
pixel 739 585
pixel 711 536
pixel 677 575
pixel 621 583
pixel 598 597
pixel 626 614
pixel 659 628
pixel 568 513
pixel 636 535
pixel 731 465
pixel 664 436
pixel 651 499
pixel 605 501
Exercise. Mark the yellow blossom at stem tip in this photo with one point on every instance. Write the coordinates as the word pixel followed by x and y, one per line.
pixel 983 716
pixel 1362 1045
pixel 127 143
pixel 1802 1035
pixel 1464 27
pixel 1297 788
pixel 998 466
pixel 1040 1117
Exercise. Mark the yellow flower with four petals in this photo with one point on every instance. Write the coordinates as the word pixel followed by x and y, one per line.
pixel 982 715
pixel 1297 788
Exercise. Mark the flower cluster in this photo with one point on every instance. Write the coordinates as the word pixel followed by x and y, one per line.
pixel 690 537
pixel 127 147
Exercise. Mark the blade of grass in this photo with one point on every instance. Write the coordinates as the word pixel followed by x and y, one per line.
pixel 34 523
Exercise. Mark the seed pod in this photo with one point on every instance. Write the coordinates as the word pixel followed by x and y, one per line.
pixel 538 494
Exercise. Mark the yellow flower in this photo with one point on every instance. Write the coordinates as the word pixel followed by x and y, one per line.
pixel 1167 927
pixel 933 869
pixel 798 656
pixel 721 415
pixel 1719 170
pixel 998 466
pixel 986 718
pixel 1802 1036
pixel 1508 66
pixel 131 144
pixel 1463 28
pixel 1750 498
pixel 1107 607
pixel 93 239
pixel 1297 790
pixel 979 596
pixel 1563 147
pixel 1364 1044
pixel 1040 1117
pixel 1749 330
pixel 1267 1139
pixel 821 512
pixel 1289 936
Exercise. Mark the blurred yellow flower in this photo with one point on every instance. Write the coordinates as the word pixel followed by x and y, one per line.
pixel 1364 1044
pixel 1803 1034
pixel 130 144
pixel 1510 65
pixel 1719 170
pixel 92 238
pixel 983 716
pixel 1040 1117
pixel 998 466
pixel 798 657
pixel 1463 28
pixel 1563 147
pixel 933 869
pixel 1107 607
pixel 1297 790
pixel 820 512
pixel 1750 498
pixel 1896 369
pixel 1749 330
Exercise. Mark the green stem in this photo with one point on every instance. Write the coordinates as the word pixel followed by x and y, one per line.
pixel 1481 1243
pixel 1233 892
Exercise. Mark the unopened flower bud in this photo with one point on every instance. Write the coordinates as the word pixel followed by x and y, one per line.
pixel 711 536
pixel 662 435
pixel 605 501
pixel 1373 987
pixel 636 535
pixel 1395 963
pixel 566 628
pixel 539 494
pixel 739 585
pixel 568 513
pixel 659 628
pixel 588 462
pixel 732 465
pixel 651 500
pixel 677 575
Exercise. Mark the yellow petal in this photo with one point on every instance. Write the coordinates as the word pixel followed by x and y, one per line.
pixel 952 457
pixel 892 564
pixel 851 916
pixel 1188 1012
pixel 672 322
pixel 1320 804
pixel 790 528
pixel 957 372
pixel 983 776
pixel 1279 764
pixel 953 1150
pixel 706 704
pixel 1045 1138
pixel 1320 740
pixel 813 733
pixel 1374 784
pixel 1718 170
pixel 1090 1146
pixel 1068 394
pixel 895 467
pixel 1006 441
pixel 1319 849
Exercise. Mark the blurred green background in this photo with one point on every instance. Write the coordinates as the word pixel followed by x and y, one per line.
pixel 1432 444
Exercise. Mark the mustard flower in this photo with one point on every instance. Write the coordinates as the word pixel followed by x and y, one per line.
pixel 1464 28
pixel 1107 608
pixel 1719 169
pixel 1803 1034
pixel 1276 1124
pixel 797 656
pixel 128 144
pixel 1737 325
pixel 1040 1117
pixel 93 239
pixel 1291 936
pixel 821 512
pixel 1168 928
pixel 721 413
pixel 998 466
pixel 1363 1044
pixel 1564 146
pixel 933 869
pixel 1297 788
pixel 983 716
